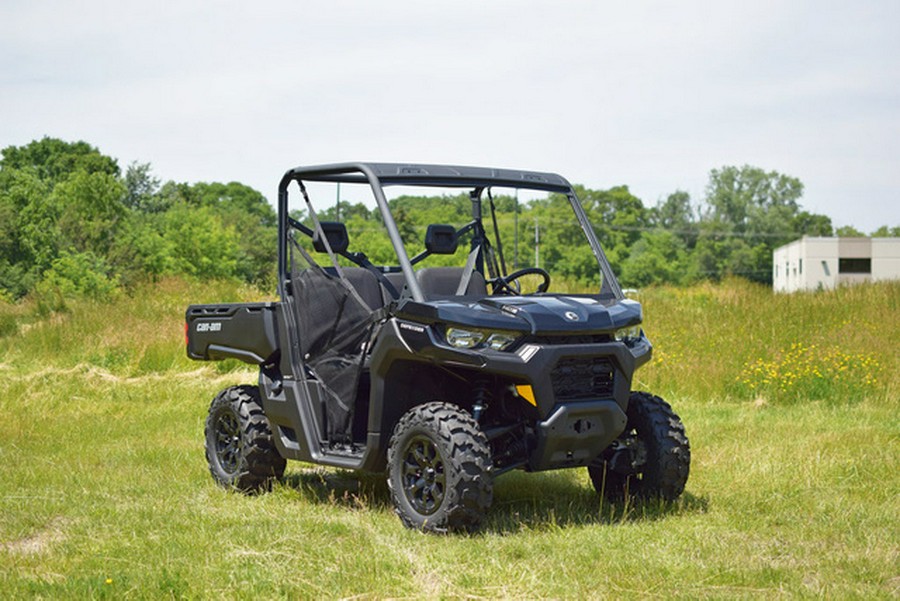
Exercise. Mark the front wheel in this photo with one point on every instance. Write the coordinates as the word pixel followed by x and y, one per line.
pixel 651 458
pixel 439 469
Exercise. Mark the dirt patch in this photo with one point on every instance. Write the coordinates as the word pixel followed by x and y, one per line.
pixel 893 586
pixel 38 542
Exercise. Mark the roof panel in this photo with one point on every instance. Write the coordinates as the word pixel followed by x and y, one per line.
pixel 432 175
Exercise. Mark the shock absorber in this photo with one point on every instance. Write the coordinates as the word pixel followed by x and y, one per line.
pixel 482 395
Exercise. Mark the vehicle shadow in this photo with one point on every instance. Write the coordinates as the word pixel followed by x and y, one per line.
pixel 340 487
pixel 556 500
pixel 521 501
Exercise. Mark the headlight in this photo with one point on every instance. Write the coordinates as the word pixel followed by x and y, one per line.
pixel 462 338
pixel 629 334
pixel 500 341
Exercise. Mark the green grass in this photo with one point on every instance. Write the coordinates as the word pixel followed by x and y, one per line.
pixel 104 490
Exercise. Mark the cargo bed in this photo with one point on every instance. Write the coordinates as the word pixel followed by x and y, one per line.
pixel 243 331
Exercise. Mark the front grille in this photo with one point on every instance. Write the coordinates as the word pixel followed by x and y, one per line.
pixel 577 378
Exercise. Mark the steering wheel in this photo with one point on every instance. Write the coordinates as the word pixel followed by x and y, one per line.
pixel 505 283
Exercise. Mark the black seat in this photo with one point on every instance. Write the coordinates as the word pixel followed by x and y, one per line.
pixel 444 281
pixel 366 284
pixel 398 281
pixel 364 281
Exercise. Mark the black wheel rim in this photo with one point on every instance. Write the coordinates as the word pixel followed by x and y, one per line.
pixel 424 479
pixel 228 441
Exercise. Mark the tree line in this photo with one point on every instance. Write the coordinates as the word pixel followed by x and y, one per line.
pixel 73 223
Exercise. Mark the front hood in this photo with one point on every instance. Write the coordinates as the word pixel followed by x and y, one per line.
pixel 545 314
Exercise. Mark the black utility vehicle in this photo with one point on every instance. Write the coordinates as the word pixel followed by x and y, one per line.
pixel 445 367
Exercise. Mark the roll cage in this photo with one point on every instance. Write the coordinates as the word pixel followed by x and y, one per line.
pixel 380 175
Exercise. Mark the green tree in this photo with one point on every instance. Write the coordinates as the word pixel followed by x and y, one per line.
pixel 72 276
pixel 658 257
pixel 887 232
pixel 200 243
pixel 141 249
pixel 142 189
pixel 27 230
pixel 348 212
pixel 848 231
pixel 234 197
pixel 750 212
pixel 245 210
pixel 675 213
pixel 62 201
pixel 717 255
pixel 618 216
pixel 171 193
pixel 811 224
pixel 739 195
pixel 89 208
pixel 45 186
pixel 53 160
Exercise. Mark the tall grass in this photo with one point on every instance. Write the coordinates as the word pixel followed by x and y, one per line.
pixel 104 490
pixel 138 334
pixel 739 341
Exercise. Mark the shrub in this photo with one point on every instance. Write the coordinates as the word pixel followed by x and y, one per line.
pixel 73 276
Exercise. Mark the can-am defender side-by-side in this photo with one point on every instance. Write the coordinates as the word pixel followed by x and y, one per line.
pixel 445 367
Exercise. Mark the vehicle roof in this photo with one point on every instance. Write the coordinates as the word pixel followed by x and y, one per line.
pixel 416 174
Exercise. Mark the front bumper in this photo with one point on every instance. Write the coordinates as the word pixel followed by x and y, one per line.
pixel 580 390
pixel 575 434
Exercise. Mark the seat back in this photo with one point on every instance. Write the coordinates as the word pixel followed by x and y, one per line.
pixel 366 285
pixel 398 281
pixel 443 281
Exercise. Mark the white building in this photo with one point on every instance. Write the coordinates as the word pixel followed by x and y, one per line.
pixel 823 263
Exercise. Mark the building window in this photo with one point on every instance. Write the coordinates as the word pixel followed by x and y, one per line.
pixel 854 265
pixel 801 266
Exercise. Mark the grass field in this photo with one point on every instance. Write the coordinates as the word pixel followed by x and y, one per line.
pixel 790 402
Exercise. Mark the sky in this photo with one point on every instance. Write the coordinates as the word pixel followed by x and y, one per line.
pixel 651 95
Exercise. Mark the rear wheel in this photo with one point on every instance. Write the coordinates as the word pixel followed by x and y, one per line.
pixel 439 469
pixel 651 458
pixel 239 446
